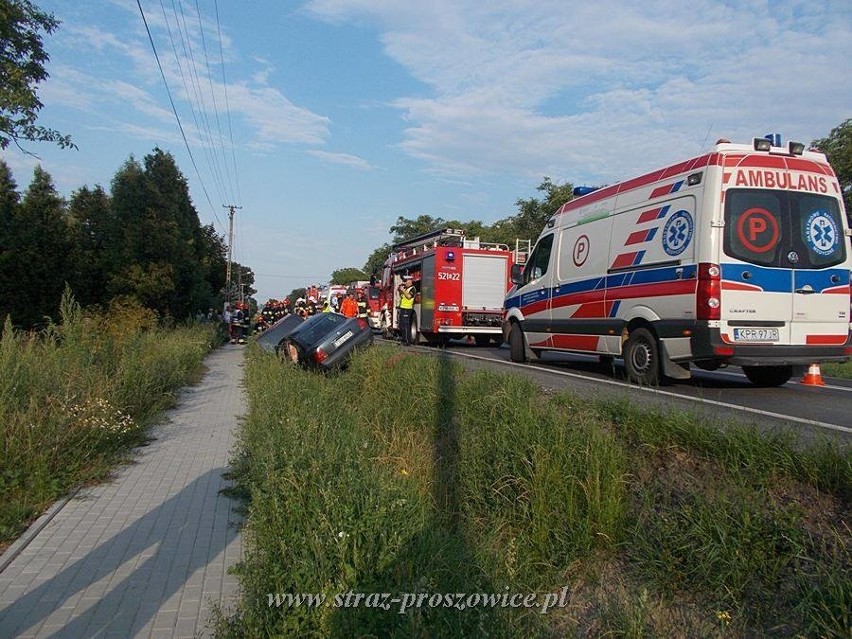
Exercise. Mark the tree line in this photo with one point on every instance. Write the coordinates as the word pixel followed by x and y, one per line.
pixel 142 242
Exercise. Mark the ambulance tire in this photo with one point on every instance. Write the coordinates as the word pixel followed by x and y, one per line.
pixel 517 348
pixel 768 376
pixel 482 340
pixel 642 357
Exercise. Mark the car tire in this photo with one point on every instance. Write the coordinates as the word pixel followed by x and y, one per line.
pixel 517 346
pixel 642 357
pixel 768 376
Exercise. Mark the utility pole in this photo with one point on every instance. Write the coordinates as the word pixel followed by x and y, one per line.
pixel 231 208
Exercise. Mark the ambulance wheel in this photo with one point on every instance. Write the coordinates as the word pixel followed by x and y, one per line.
pixel 482 340
pixel 517 348
pixel 642 357
pixel 767 376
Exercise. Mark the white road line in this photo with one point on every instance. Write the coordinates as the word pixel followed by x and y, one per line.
pixel 646 389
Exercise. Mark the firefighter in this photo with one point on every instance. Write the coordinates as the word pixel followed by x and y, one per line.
pixel 361 301
pixel 407 293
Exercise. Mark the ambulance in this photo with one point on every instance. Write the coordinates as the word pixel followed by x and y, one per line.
pixel 739 256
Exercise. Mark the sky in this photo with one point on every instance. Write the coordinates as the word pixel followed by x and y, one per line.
pixel 326 120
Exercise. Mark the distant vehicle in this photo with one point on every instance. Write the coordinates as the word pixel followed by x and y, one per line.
pixel 376 307
pixel 740 256
pixel 326 341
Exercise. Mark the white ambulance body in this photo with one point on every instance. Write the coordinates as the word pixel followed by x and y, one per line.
pixel 740 256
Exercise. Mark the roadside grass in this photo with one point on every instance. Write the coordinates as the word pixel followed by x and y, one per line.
pixel 77 397
pixel 408 474
pixel 843 371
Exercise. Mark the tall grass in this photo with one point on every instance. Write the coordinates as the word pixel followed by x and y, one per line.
pixel 76 397
pixel 408 474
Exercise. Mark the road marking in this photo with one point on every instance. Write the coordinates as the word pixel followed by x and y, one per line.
pixel 700 400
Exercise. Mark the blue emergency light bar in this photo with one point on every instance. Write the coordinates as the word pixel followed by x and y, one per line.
pixel 774 138
pixel 579 191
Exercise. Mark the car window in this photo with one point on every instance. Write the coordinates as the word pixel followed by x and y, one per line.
pixel 539 260
pixel 316 326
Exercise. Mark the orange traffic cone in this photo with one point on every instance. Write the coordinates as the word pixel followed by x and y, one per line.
pixel 813 376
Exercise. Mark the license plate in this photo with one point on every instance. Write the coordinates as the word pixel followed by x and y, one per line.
pixel 755 334
pixel 342 338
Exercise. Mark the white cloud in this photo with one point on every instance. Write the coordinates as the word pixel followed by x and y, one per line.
pixel 596 89
pixel 345 159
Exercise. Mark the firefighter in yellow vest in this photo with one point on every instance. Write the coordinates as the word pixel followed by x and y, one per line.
pixel 407 293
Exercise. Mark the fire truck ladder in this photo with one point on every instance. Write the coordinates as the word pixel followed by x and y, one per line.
pixel 428 240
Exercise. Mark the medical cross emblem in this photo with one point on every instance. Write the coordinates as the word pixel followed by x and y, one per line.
pixel 821 233
pixel 677 233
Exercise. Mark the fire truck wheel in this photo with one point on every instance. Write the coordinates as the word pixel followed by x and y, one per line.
pixel 517 348
pixel 641 357
pixel 767 376
pixel 415 332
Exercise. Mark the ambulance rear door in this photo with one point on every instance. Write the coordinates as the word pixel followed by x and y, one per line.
pixel 785 269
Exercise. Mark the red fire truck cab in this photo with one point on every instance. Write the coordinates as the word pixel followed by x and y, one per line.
pixel 461 284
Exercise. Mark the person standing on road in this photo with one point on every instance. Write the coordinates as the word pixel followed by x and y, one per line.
pixel 349 307
pixel 407 293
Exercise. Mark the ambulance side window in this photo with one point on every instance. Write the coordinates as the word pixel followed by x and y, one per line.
pixel 537 264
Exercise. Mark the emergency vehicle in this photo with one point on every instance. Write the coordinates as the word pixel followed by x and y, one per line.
pixel 739 256
pixel 461 284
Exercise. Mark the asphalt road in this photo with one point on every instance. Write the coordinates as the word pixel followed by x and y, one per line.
pixel 723 397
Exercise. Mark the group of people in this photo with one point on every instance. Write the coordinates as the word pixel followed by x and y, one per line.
pixel 236 319
pixel 353 303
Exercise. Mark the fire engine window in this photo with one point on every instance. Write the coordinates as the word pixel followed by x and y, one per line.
pixel 540 258
pixel 783 229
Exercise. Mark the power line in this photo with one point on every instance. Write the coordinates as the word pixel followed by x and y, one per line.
pixel 174 110
pixel 227 104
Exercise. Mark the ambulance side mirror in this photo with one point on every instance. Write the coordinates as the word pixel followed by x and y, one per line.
pixel 517 274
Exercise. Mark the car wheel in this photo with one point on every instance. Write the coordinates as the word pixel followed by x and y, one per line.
pixel 642 357
pixel 768 376
pixel 517 348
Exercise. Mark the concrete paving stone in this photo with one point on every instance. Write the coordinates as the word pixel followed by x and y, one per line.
pixel 145 554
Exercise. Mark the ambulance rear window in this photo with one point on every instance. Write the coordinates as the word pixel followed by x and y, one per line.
pixel 785 229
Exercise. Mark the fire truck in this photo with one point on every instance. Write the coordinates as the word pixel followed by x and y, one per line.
pixel 461 285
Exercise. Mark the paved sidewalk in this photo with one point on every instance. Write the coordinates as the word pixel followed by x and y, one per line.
pixel 144 555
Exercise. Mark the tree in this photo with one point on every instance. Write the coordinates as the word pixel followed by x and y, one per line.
pixel 22 60
pixel 9 201
pixel 161 244
pixel 92 232
pixel 39 252
pixel 374 263
pixel 347 275
pixel 837 146
pixel 405 228
pixel 533 213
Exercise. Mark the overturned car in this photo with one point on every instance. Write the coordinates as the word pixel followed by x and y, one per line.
pixel 271 339
pixel 326 341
